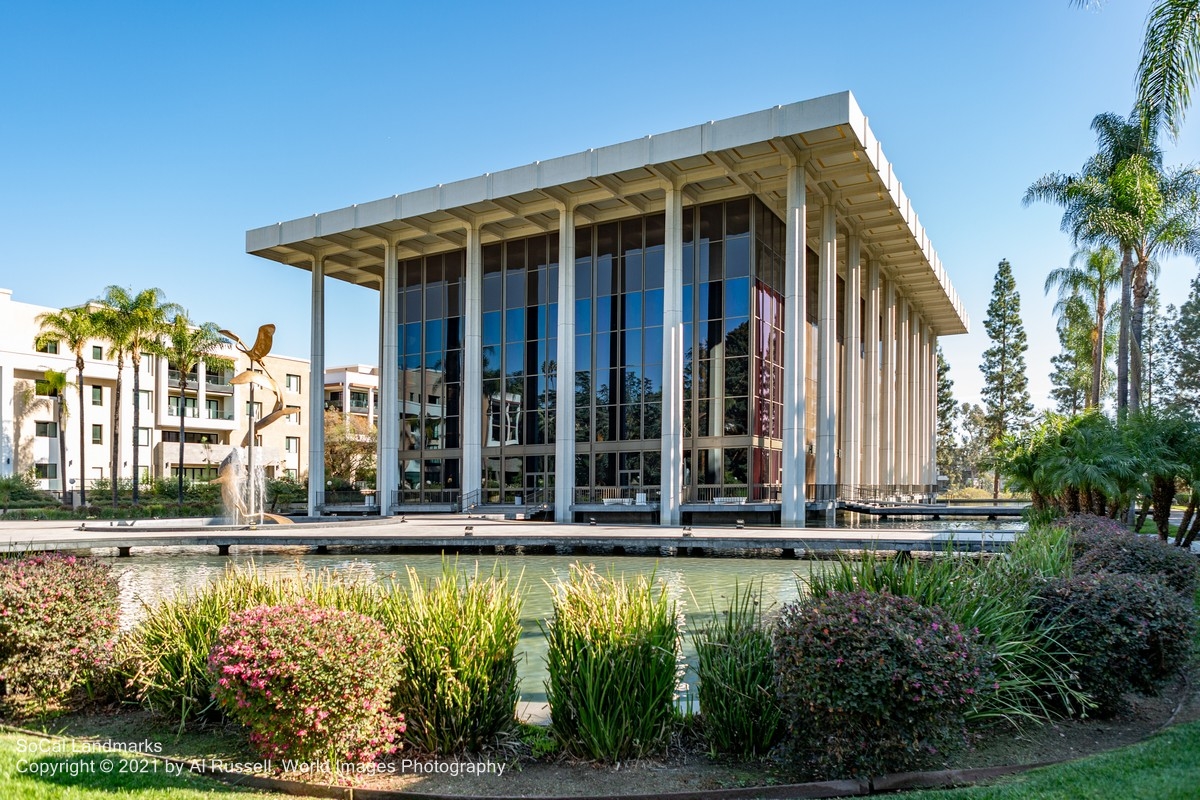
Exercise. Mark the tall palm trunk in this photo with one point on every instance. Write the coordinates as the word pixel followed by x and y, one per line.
pixel 183 387
pixel 116 427
pixel 82 436
pixel 62 444
pixel 1098 350
pixel 136 358
pixel 1123 339
pixel 1141 290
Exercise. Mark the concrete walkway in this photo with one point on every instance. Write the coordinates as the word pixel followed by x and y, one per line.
pixel 461 532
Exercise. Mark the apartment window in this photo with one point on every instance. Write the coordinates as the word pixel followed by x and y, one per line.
pixel 143 437
pixel 253 409
pixel 97 352
pixel 50 346
pixel 289 474
pixel 42 389
pixel 258 440
pixel 97 434
pixel 295 418
pixel 292 444
pixel 46 471
pixel 46 429
pixel 147 399
pixel 97 396
pixel 292 382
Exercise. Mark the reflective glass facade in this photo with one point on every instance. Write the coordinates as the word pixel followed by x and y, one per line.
pixel 733 273
pixel 430 354
pixel 520 345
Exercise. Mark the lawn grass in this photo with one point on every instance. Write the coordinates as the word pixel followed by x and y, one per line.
pixel 67 775
pixel 1162 767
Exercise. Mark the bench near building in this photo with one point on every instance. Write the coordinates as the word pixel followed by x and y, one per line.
pixel 738 317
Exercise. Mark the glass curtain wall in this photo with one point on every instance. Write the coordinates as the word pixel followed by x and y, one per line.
pixel 430 355
pixel 618 359
pixel 520 342
pixel 733 255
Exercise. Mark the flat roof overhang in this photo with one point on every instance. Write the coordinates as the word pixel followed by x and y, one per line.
pixel 748 154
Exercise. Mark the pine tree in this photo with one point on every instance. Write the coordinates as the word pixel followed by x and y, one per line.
pixel 947 415
pixel 1074 365
pixel 1005 383
pixel 1185 369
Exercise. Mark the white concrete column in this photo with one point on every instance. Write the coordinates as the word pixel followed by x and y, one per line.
pixel 795 344
pixel 316 391
pixel 903 398
pixel 564 439
pixel 671 487
pixel 6 431
pixel 826 462
pixel 201 396
pixel 887 390
pixel 931 402
pixel 870 471
pixel 916 401
pixel 387 467
pixel 472 389
pixel 852 370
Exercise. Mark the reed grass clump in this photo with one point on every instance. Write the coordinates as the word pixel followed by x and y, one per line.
pixel 613 660
pixel 736 670
pixel 165 657
pixel 459 686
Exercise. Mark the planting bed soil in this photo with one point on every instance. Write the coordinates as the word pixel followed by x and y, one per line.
pixel 686 767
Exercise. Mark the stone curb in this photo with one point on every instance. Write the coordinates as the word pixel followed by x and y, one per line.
pixel 940 779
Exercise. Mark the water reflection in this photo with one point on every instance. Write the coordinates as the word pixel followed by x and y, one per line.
pixel 697 585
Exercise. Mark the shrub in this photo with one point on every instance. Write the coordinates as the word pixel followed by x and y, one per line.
pixel 736 671
pixel 613 662
pixel 993 597
pixel 1125 632
pixel 1131 554
pixel 165 658
pixel 873 683
pixel 459 686
pixel 58 621
pixel 309 682
pixel 1089 530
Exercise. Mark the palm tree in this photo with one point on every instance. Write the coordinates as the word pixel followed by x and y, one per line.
pixel 1117 140
pixel 58 384
pixel 187 347
pixel 114 328
pixel 1093 272
pixel 145 316
pixel 1152 212
pixel 1170 63
pixel 73 328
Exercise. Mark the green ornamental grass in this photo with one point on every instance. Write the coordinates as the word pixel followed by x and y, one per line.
pixel 460 631
pixel 613 660
pixel 736 671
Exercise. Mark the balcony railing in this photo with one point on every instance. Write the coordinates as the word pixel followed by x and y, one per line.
pixel 733 494
pixel 216 413
pixel 617 495
pixel 173 379
pixel 173 411
pixel 217 383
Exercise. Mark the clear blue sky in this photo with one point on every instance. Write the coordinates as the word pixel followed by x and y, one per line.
pixel 140 141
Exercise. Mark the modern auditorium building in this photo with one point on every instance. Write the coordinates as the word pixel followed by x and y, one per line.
pixel 740 312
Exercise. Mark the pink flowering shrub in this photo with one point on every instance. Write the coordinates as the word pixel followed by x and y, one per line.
pixel 873 683
pixel 309 682
pixel 58 623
